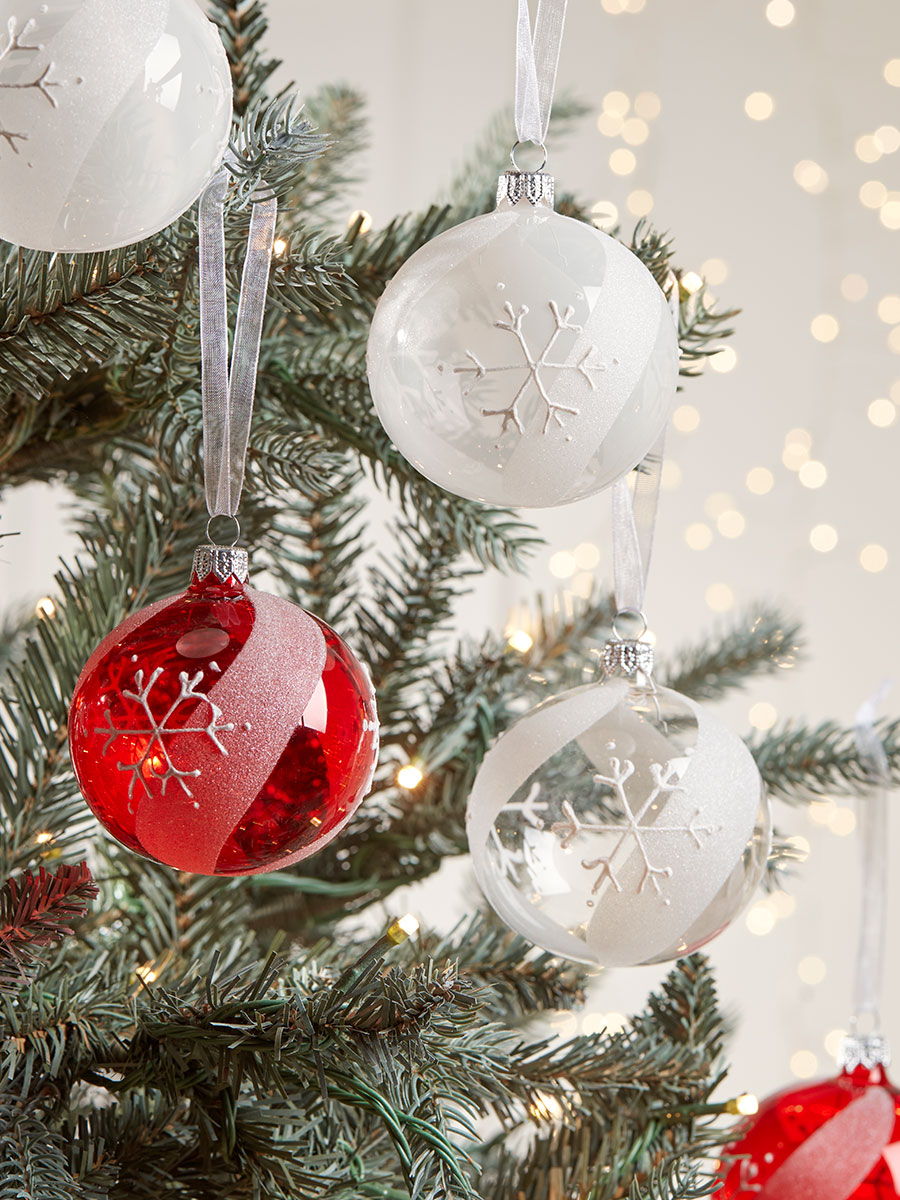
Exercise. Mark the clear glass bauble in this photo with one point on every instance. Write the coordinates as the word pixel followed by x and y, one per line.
pixel 113 116
pixel 523 358
pixel 619 823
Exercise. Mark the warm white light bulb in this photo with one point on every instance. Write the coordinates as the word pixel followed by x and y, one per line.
pixel 410 776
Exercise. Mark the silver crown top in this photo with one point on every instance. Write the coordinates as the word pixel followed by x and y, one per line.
pixel 869 1051
pixel 221 561
pixel 627 656
pixel 537 187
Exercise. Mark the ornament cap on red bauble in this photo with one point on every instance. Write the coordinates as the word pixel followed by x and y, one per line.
pixel 223 731
pixel 836 1139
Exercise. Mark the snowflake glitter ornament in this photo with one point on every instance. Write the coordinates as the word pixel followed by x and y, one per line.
pixel 523 358
pixel 113 116
pixel 619 823
pixel 836 1139
pixel 223 731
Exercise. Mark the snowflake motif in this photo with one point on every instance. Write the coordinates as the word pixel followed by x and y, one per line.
pixel 508 859
pixel 664 783
pixel 157 729
pixel 749 1172
pixel 16 41
pixel 534 367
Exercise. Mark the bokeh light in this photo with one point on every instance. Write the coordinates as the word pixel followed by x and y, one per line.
pixel 759 106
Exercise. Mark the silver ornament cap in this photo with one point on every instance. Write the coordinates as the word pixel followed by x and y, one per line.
pixel 627 656
pixel 869 1051
pixel 222 562
pixel 533 187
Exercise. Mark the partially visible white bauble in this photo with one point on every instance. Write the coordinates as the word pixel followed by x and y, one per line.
pixel 618 824
pixel 523 358
pixel 113 116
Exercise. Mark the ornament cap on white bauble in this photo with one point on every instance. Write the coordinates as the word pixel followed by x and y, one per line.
pixel 533 187
pixel 113 116
pixel 523 358
pixel 618 823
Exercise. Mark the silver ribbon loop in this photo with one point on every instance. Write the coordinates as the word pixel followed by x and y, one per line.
pixel 634 513
pixel 228 393
pixel 634 523
pixel 873 844
pixel 537 60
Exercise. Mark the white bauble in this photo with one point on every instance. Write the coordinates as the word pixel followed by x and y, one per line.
pixel 619 823
pixel 113 116
pixel 523 358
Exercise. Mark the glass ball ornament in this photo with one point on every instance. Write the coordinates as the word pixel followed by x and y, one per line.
pixel 835 1139
pixel 223 731
pixel 523 358
pixel 113 116
pixel 618 823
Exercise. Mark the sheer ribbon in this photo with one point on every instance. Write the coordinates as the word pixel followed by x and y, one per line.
pixel 873 845
pixel 228 392
pixel 537 59
pixel 634 512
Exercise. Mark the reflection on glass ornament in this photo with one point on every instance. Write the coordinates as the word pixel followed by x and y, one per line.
pixel 523 358
pixel 619 823
pixel 223 731
pixel 113 116
pixel 836 1139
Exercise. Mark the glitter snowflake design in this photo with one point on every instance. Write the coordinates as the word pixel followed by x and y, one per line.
pixel 18 42
pixel 156 729
pixel 749 1172
pixel 530 808
pixel 664 778
pixel 534 368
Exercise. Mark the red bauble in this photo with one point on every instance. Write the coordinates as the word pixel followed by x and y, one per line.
pixel 223 731
pixel 838 1139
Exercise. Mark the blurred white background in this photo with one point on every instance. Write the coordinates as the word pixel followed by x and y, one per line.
pixel 765 138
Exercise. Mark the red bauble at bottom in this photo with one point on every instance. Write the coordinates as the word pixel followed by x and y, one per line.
pixel 838 1139
pixel 224 731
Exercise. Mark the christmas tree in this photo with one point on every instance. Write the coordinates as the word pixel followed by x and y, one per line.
pixel 167 1034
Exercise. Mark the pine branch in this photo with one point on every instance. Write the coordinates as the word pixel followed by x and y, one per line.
pixel 181 918
pixel 279 459
pixel 701 325
pixel 243 27
pixel 412 600
pixel 374 258
pixel 677 1179
pixel 15 622
pixel 510 978
pixel 71 1019
pixel 310 272
pixel 799 762
pixel 203 1048
pixel 759 642
pixel 315 549
pixel 33 913
pixel 60 314
pixel 32 1161
pixel 272 142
